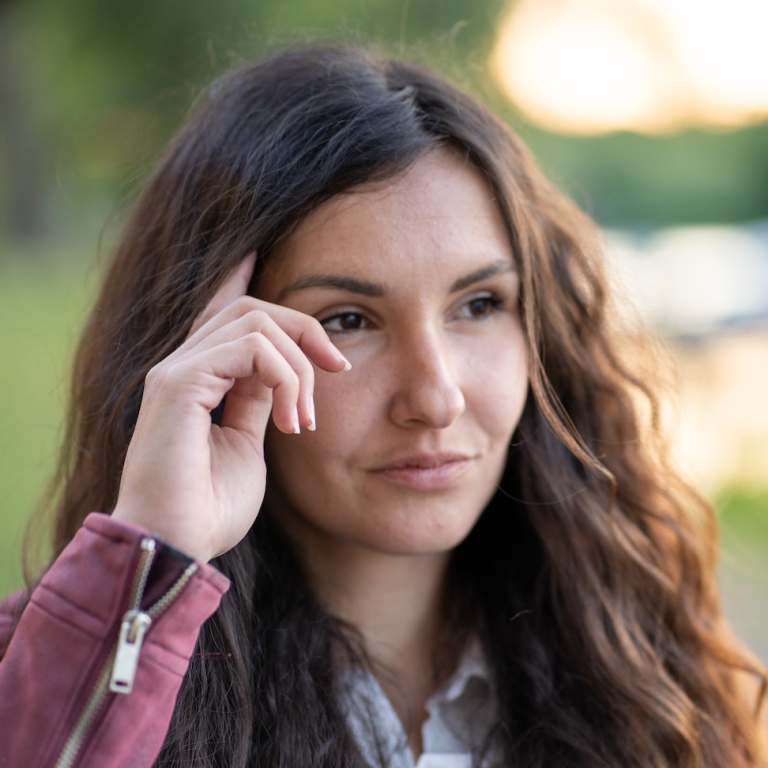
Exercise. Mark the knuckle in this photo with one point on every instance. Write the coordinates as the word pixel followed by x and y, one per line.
pixel 155 375
pixel 313 333
pixel 171 374
pixel 253 340
pixel 242 305
pixel 161 377
pixel 306 371
pixel 256 319
pixel 314 328
pixel 290 381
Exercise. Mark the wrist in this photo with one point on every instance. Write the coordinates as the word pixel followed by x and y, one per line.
pixel 169 533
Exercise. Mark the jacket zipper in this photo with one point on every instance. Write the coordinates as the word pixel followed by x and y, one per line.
pixel 119 670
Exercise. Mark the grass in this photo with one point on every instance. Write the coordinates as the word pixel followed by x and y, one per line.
pixel 42 307
pixel 743 514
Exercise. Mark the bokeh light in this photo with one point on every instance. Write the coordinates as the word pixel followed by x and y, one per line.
pixel 592 66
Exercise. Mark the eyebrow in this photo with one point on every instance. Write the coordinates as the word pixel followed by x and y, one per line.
pixel 366 288
pixel 496 268
pixel 351 284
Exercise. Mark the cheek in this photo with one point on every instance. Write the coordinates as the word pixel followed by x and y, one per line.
pixel 349 403
pixel 337 397
pixel 499 388
pixel 345 410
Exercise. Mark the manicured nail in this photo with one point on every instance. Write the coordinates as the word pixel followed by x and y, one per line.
pixel 312 425
pixel 296 427
pixel 347 364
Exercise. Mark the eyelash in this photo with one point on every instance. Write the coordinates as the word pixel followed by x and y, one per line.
pixel 490 305
pixel 339 316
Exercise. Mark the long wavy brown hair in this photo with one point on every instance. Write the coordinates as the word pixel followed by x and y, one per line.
pixel 590 577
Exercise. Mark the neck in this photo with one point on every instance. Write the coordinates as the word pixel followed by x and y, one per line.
pixel 394 602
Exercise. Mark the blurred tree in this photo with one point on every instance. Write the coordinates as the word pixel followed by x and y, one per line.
pixel 106 81
pixel 22 182
pixel 633 180
pixel 110 78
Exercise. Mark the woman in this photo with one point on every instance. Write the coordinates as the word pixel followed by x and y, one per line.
pixel 356 352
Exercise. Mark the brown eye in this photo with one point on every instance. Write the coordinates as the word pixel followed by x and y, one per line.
pixel 344 321
pixel 479 307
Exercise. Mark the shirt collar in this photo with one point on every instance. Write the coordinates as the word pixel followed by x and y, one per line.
pixel 472 666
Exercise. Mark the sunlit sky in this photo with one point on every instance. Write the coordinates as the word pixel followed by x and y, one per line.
pixel 591 66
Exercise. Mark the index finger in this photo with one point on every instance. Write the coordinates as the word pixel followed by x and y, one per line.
pixel 235 286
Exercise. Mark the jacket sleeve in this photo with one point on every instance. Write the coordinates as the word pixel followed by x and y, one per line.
pixel 58 659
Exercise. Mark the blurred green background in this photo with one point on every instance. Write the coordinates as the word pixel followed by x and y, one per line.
pixel 90 91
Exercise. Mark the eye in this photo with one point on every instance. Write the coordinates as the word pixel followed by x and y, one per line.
pixel 344 321
pixel 479 307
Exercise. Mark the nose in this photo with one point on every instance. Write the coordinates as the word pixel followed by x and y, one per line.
pixel 427 390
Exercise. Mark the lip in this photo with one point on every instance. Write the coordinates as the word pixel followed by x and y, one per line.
pixel 424 471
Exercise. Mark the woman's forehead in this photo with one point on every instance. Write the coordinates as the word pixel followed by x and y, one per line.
pixel 439 216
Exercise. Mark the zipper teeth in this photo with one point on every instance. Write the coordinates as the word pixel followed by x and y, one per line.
pixel 101 687
pixel 148 552
pixel 98 694
pixel 162 604
pixel 91 709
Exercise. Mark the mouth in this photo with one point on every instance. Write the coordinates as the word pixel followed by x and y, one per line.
pixel 424 471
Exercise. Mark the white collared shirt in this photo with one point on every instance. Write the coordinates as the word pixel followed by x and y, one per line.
pixel 459 718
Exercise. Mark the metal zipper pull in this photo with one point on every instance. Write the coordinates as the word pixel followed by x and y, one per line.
pixel 132 631
pixel 119 670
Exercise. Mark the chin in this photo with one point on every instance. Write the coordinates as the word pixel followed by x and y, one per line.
pixel 413 537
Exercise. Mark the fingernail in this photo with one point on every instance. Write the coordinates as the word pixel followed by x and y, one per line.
pixel 296 427
pixel 312 425
pixel 347 364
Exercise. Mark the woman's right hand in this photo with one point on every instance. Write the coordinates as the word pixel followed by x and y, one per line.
pixel 197 485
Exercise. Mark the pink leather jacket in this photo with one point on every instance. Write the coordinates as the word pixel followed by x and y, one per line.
pixel 90 671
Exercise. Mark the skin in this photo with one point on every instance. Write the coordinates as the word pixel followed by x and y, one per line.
pixel 196 485
pixel 439 373
pixel 414 282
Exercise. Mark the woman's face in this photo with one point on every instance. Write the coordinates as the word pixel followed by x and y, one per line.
pixel 415 282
